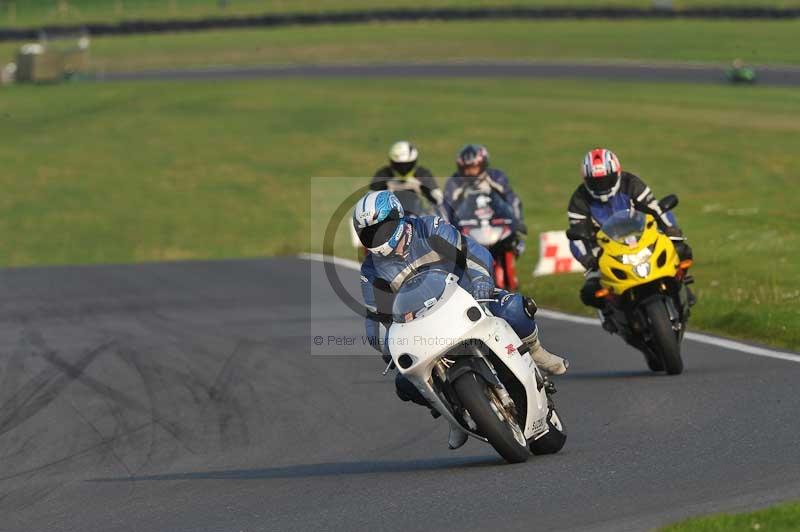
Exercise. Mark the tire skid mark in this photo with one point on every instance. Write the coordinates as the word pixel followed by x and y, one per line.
pixel 102 437
pixel 187 345
pixel 20 497
pixel 116 396
pixel 117 413
pixel 124 410
pixel 13 371
pixel 131 359
pixel 229 411
pixel 219 393
pixel 31 471
pixel 20 449
pixel 172 428
pixel 189 381
pixel 42 389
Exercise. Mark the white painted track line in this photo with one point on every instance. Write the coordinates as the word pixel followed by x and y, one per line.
pixel 724 343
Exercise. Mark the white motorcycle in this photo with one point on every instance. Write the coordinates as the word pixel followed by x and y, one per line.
pixel 472 367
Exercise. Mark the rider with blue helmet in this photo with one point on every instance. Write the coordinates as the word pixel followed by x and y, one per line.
pixel 400 246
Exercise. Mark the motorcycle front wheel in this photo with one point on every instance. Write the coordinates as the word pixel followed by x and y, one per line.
pixel 665 341
pixel 493 421
pixel 653 359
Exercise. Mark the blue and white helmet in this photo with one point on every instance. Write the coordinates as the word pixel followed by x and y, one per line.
pixel 378 221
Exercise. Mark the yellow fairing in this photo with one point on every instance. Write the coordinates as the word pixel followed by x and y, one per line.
pixel 619 276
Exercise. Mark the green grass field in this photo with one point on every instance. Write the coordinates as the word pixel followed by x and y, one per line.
pixel 41 12
pixel 662 41
pixel 782 518
pixel 151 171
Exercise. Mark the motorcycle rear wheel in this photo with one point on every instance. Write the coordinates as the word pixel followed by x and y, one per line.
pixel 665 340
pixel 474 394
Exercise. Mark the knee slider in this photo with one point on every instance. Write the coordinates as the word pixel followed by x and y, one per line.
pixel 530 306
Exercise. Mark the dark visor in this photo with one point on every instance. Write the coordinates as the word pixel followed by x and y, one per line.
pixel 380 233
pixel 403 168
pixel 601 185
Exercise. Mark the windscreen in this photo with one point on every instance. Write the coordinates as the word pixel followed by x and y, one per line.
pixel 477 205
pixel 626 227
pixel 418 294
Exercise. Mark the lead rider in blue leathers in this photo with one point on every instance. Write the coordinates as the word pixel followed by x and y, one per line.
pixel 400 246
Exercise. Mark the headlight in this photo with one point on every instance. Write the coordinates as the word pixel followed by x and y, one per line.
pixel 642 270
pixel 635 259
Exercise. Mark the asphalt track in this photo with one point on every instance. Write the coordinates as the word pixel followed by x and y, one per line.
pixel 686 73
pixel 185 397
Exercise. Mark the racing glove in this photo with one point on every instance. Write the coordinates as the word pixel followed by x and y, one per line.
pixel 482 288
pixel 519 238
pixel 683 249
pixel 519 248
pixel 589 261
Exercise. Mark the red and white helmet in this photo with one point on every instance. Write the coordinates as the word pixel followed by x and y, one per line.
pixel 601 172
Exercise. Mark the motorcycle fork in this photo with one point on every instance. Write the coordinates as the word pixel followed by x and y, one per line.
pixel 444 387
pixel 497 389
pixel 674 316
pixel 448 396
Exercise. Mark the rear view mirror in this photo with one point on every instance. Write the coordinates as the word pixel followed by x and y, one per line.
pixel 667 203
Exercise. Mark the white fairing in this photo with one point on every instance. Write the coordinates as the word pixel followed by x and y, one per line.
pixel 429 337
pixel 489 235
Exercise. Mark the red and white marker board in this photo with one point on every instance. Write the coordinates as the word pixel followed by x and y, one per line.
pixel 554 255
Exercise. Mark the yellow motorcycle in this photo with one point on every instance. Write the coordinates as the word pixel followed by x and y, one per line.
pixel 644 285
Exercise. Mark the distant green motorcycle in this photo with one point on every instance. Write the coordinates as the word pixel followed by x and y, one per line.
pixel 739 73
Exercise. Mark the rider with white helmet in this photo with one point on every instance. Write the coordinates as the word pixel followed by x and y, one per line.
pixel 409 181
pixel 401 246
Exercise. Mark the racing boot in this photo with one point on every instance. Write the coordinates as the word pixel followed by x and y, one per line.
pixel 457 437
pixel 545 360
pixel 690 297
